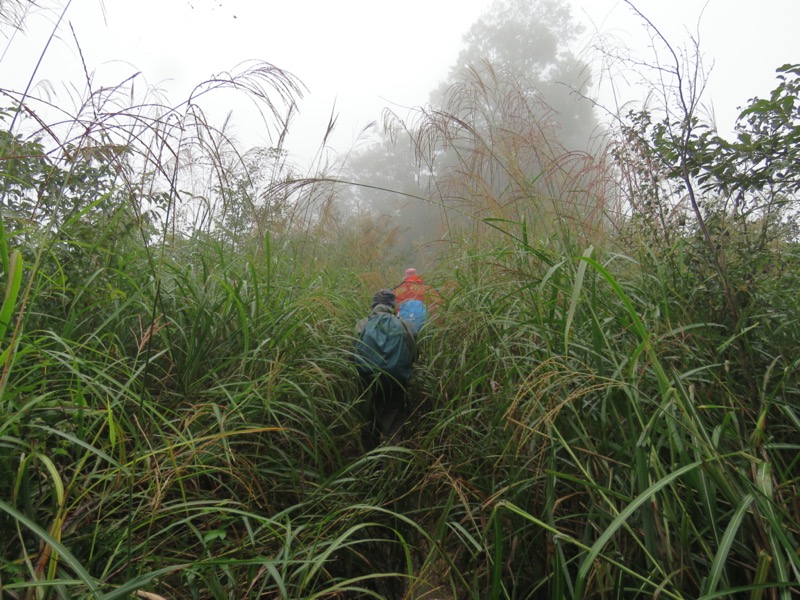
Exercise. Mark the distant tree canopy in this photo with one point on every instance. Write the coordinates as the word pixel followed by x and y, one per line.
pixel 529 41
pixel 516 73
pixel 525 36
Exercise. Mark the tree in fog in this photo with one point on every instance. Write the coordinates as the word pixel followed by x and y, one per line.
pixel 526 36
pixel 515 94
pixel 529 41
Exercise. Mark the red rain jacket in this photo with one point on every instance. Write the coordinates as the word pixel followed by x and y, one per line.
pixel 413 288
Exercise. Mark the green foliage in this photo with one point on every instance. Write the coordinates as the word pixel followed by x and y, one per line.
pixel 764 156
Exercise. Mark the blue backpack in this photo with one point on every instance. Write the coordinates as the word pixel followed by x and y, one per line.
pixel 382 348
pixel 413 312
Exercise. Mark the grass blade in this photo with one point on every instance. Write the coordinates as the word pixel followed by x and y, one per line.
pixel 597 547
pixel 65 554
pixel 718 566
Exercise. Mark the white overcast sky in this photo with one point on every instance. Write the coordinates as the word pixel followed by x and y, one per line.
pixel 361 56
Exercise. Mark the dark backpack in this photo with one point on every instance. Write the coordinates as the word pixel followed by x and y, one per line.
pixel 413 312
pixel 382 348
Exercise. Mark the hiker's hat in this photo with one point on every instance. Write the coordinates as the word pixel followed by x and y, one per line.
pixel 386 297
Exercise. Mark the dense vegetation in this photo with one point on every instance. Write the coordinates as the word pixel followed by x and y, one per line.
pixel 608 410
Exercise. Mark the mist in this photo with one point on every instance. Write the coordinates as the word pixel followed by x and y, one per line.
pixel 516 95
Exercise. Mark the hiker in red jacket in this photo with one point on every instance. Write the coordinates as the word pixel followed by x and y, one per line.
pixel 416 300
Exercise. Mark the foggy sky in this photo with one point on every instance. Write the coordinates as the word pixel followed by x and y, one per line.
pixel 357 57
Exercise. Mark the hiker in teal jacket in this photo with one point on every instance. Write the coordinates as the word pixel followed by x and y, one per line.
pixel 384 355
